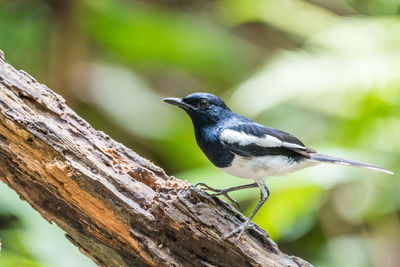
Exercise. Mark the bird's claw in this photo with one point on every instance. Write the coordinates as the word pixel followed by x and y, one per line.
pixel 246 225
pixel 205 187
pixel 218 192
pixel 225 194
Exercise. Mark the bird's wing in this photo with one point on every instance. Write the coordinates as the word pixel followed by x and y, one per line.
pixel 257 140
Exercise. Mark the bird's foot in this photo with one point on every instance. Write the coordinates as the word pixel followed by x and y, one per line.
pixel 219 192
pixel 239 231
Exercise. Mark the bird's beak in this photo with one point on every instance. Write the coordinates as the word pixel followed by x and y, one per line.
pixel 177 102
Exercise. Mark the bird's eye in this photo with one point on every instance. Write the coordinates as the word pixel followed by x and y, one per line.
pixel 203 104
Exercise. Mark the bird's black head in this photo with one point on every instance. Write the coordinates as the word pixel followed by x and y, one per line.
pixel 203 108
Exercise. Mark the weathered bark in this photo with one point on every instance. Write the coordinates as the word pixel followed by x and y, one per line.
pixel 118 208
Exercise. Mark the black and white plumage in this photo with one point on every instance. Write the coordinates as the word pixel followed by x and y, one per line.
pixel 246 149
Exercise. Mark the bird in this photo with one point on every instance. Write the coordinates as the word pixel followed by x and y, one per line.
pixel 246 149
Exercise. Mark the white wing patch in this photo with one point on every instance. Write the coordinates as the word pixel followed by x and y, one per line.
pixel 234 137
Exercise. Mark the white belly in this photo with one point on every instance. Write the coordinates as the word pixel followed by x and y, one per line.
pixel 257 168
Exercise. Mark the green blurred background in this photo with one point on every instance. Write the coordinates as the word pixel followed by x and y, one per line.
pixel 326 70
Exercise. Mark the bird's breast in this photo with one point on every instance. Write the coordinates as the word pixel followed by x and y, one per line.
pixel 209 143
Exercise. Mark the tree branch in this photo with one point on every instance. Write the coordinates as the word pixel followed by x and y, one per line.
pixel 116 207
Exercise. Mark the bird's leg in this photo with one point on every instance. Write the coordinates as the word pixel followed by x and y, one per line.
pixel 248 224
pixel 224 192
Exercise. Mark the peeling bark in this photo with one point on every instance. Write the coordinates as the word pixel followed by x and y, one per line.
pixel 116 207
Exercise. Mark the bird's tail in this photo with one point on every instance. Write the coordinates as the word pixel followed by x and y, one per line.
pixel 334 160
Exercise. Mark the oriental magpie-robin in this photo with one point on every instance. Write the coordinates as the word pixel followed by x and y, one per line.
pixel 246 149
